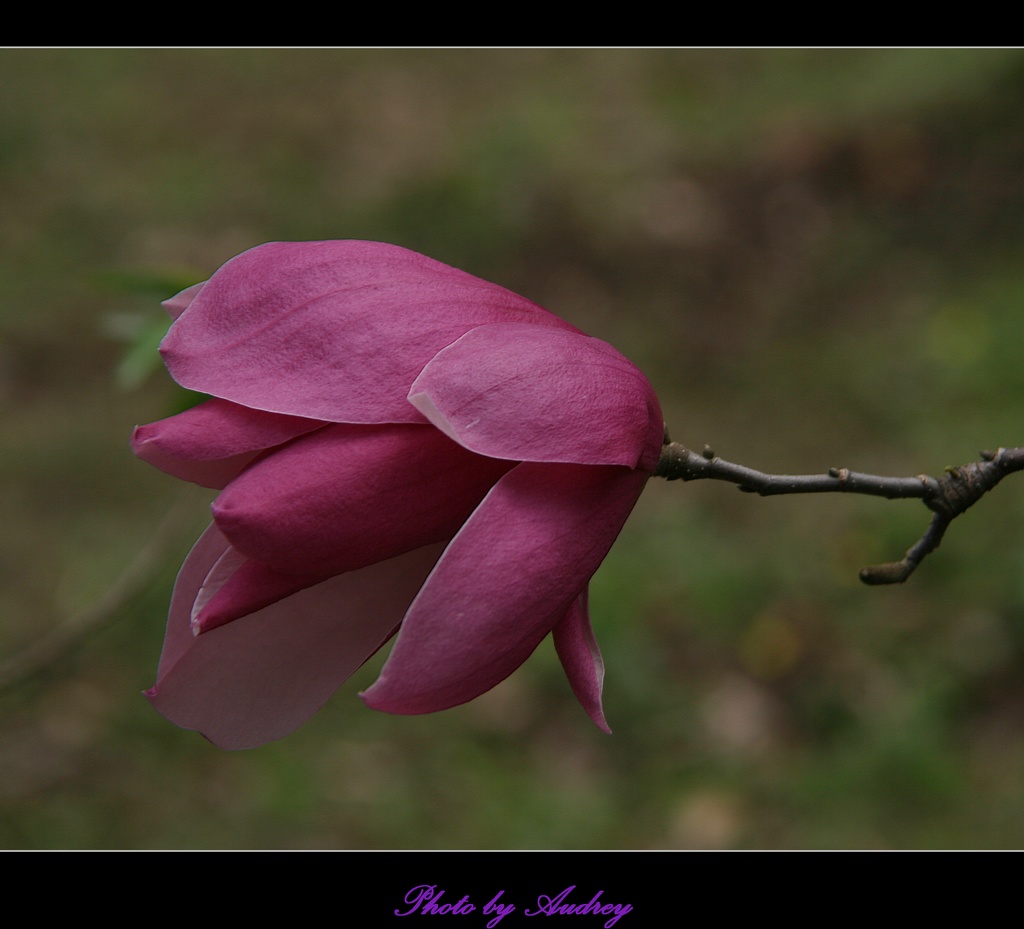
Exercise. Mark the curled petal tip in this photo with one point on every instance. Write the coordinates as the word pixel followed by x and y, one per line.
pixel 207 620
pixel 368 701
pixel 177 304
pixel 138 438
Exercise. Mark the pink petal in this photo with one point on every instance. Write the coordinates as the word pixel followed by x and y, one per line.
pixel 211 443
pixel 350 495
pixel 331 330
pixel 581 659
pixel 516 391
pixel 177 304
pixel 504 582
pixel 259 679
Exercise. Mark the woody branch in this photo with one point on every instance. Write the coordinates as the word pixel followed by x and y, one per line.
pixel 947 496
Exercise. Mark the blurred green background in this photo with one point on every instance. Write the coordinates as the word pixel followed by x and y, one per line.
pixel 814 255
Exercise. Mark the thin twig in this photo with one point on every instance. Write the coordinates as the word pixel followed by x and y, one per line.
pixel 947 496
pixel 67 635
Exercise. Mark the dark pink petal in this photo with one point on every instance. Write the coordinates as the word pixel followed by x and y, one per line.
pixel 581 659
pixel 350 495
pixel 257 680
pixel 331 330
pixel 250 587
pixel 504 582
pixel 516 391
pixel 177 304
pixel 211 443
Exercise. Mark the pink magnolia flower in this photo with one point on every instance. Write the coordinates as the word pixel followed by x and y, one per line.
pixel 400 447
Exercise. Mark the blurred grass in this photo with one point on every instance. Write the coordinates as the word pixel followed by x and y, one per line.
pixel 815 255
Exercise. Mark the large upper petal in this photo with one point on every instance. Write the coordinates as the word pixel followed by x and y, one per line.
pixel 504 582
pixel 333 330
pixel 212 442
pixel 257 680
pixel 516 391
pixel 347 495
